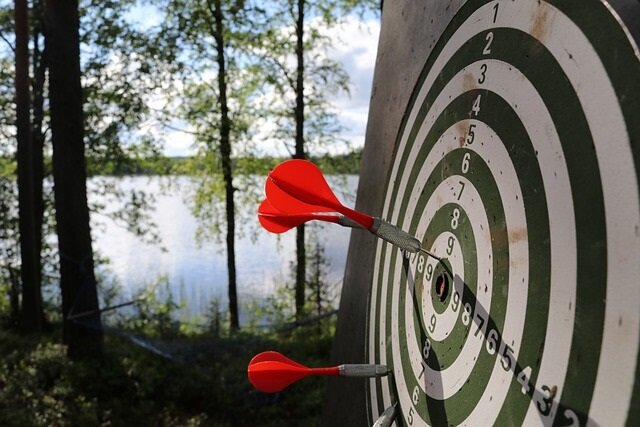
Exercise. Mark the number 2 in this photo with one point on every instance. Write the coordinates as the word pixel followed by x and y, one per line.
pixel 487 48
pixel 571 416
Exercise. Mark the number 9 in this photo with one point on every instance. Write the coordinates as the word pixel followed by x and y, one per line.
pixel 429 271
pixel 450 242
pixel 456 301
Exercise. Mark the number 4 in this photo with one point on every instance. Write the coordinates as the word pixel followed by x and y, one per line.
pixel 523 379
pixel 476 105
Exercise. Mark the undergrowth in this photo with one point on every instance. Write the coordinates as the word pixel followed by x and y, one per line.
pixel 128 385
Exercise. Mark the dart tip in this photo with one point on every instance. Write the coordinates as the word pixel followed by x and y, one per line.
pixel 431 254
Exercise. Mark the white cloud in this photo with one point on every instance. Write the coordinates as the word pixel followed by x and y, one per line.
pixel 355 45
pixel 178 144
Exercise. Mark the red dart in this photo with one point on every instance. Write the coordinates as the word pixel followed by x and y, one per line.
pixel 277 222
pixel 298 186
pixel 304 181
pixel 271 371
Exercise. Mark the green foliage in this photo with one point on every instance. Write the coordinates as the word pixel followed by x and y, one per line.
pixel 155 316
pixel 138 162
pixel 131 386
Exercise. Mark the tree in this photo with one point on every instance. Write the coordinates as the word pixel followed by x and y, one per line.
pixel 217 108
pixel 22 122
pixel 77 279
pixel 114 108
pixel 301 256
pixel 225 158
pixel 29 183
pixel 303 77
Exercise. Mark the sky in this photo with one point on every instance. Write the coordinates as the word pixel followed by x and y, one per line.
pixel 354 45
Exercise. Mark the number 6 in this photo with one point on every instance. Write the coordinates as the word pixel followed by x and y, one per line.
pixel 465 162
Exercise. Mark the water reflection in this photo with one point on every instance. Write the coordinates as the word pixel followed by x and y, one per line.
pixel 196 272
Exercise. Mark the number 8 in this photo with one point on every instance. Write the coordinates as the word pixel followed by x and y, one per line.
pixel 456 218
pixel 466 314
pixel 420 264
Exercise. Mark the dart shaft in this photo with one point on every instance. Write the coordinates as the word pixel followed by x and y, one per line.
pixel 399 238
pixel 363 370
pixel 395 235
pixel 345 221
pixel 332 371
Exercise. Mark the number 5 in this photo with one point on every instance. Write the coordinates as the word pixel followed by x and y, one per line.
pixel 470 134
pixel 507 358
pixel 410 417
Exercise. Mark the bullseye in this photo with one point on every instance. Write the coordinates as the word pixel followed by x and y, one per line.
pixel 442 286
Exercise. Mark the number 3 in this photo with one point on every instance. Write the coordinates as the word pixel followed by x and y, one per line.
pixel 483 74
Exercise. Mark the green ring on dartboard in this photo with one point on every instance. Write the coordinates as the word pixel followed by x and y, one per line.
pixel 517 161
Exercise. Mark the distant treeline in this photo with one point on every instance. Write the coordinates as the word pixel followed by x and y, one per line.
pixel 330 164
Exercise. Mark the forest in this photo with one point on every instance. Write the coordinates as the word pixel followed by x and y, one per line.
pixel 89 91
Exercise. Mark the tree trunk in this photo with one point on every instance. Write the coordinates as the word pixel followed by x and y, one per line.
pixel 39 72
pixel 301 256
pixel 77 282
pixel 37 135
pixel 225 157
pixel 30 234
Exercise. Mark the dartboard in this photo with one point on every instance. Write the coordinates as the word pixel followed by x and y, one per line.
pixel 516 164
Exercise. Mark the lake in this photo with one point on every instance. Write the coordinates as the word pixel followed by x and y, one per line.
pixel 196 272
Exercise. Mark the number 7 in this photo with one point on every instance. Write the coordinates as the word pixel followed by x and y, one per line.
pixel 480 325
pixel 461 189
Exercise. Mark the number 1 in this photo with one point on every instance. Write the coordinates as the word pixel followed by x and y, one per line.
pixel 495 12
